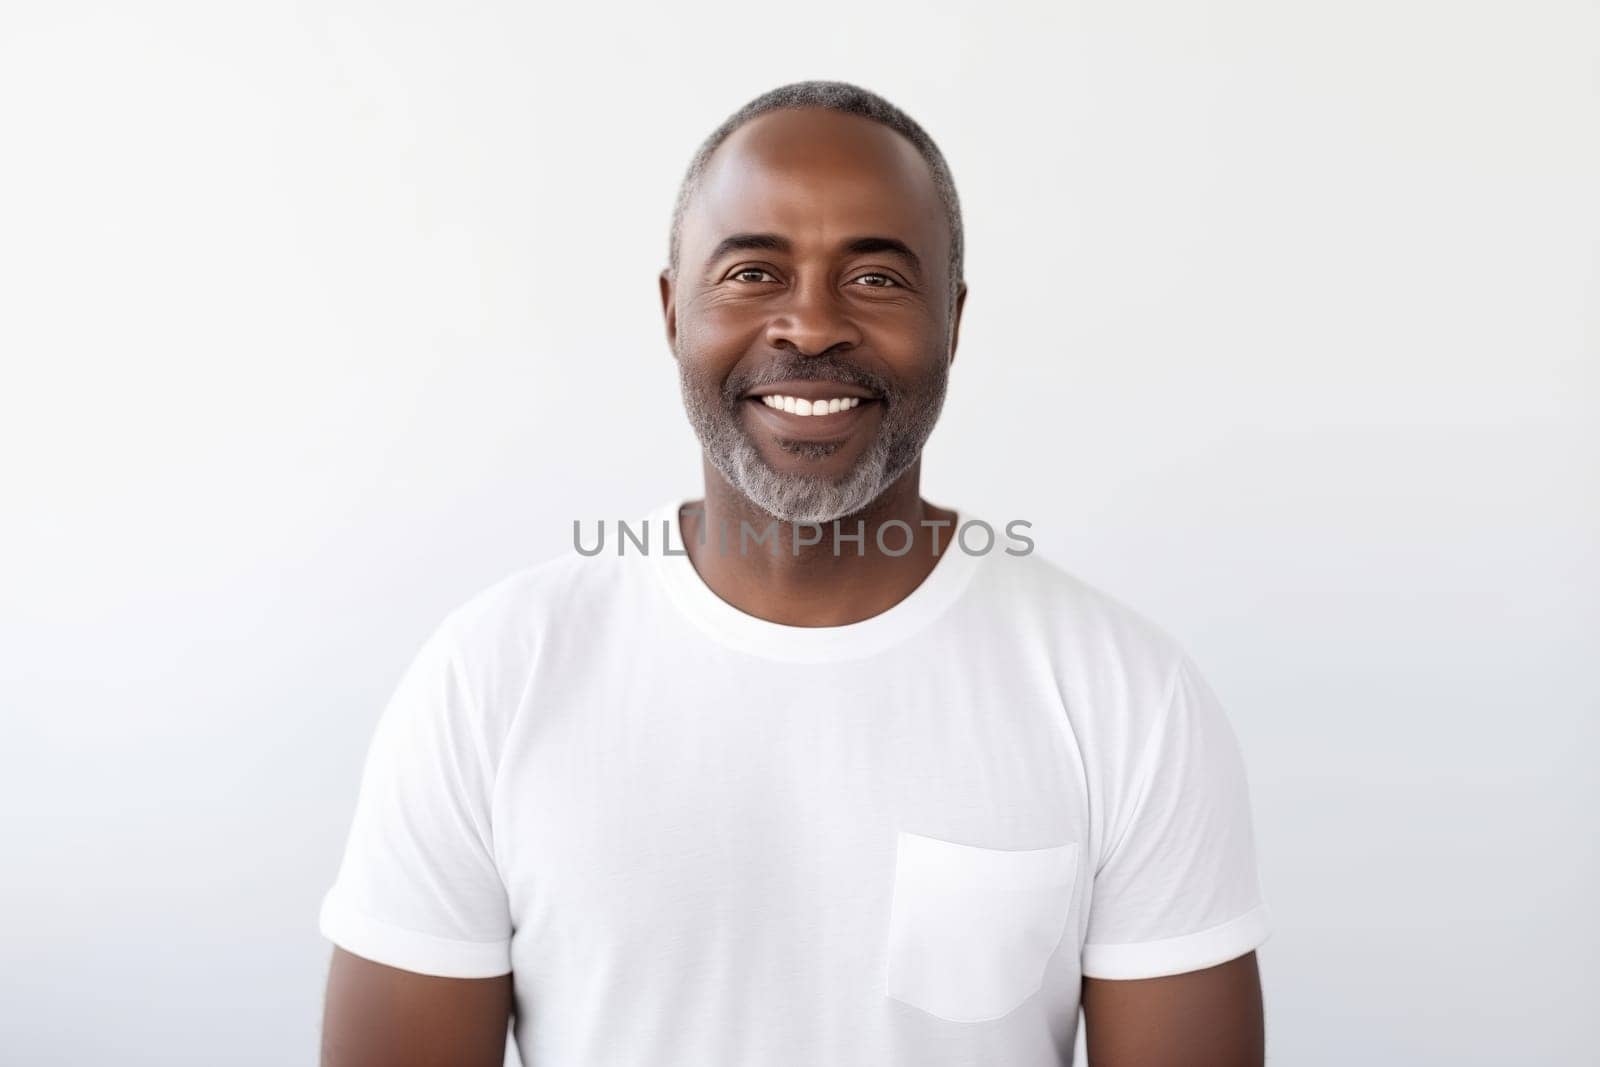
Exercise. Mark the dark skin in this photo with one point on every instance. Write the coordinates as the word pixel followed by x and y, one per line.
pixel 817 183
pixel 1206 1018
pixel 378 1016
pixel 821 187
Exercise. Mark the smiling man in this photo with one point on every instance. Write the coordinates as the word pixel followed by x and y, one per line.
pixel 820 776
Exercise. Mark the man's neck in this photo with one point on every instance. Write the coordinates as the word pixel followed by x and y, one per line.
pixel 834 581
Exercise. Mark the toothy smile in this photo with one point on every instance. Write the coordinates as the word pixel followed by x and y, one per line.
pixel 799 405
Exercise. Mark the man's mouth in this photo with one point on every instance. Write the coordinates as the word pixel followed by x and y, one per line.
pixel 813 410
pixel 799 405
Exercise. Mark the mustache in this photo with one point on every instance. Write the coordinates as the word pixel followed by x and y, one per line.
pixel 823 368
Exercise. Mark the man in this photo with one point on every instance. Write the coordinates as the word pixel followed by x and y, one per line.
pixel 814 779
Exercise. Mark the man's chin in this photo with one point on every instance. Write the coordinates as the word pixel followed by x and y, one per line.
pixel 805 467
pixel 806 496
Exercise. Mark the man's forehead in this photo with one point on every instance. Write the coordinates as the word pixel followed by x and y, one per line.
pixel 817 174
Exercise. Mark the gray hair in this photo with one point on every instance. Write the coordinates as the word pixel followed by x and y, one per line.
pixel 849 100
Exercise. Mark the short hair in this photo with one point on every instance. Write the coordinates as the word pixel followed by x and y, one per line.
pixel 846 99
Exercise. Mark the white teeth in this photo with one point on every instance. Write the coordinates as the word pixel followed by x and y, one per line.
pixel 801 406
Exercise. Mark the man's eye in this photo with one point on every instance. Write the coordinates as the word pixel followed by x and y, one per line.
pixel 876 281
pixel 750 274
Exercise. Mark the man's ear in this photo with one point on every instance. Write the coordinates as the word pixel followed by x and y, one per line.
pixel 669 310
pixel 955 326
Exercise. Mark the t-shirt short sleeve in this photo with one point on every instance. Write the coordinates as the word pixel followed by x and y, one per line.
pixel 1178 889
pixel 418 887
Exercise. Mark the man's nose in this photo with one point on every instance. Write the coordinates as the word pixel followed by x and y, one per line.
pixel 812 321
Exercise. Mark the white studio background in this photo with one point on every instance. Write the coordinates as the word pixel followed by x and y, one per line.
pixel 317 319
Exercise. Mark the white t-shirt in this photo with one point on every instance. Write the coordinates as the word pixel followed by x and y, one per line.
pixel 699 838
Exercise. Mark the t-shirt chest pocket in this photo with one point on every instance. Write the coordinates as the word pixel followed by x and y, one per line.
pixel 971 930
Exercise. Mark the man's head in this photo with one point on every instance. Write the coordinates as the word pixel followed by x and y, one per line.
pixel 816 254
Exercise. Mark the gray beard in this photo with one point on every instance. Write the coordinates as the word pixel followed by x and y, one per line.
pixel 908 420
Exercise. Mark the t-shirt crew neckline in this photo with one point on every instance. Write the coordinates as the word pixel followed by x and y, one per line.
pixel 744 632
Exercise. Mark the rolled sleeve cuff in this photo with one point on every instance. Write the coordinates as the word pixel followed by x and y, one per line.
pixel 408 950
pixel 1176 955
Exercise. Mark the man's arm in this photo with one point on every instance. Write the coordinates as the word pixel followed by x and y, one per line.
pixel 378 1016
pixel 1206 1018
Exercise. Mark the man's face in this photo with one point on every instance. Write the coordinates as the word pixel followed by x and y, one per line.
pixel 813 264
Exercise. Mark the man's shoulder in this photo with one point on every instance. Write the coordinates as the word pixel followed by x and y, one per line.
pixel 1115 668
pixel 532 600
pixel 1076 617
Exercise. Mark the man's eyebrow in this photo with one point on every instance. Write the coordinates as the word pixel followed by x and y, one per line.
pixel 772 242
pixel 863 246
pixel 748 242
